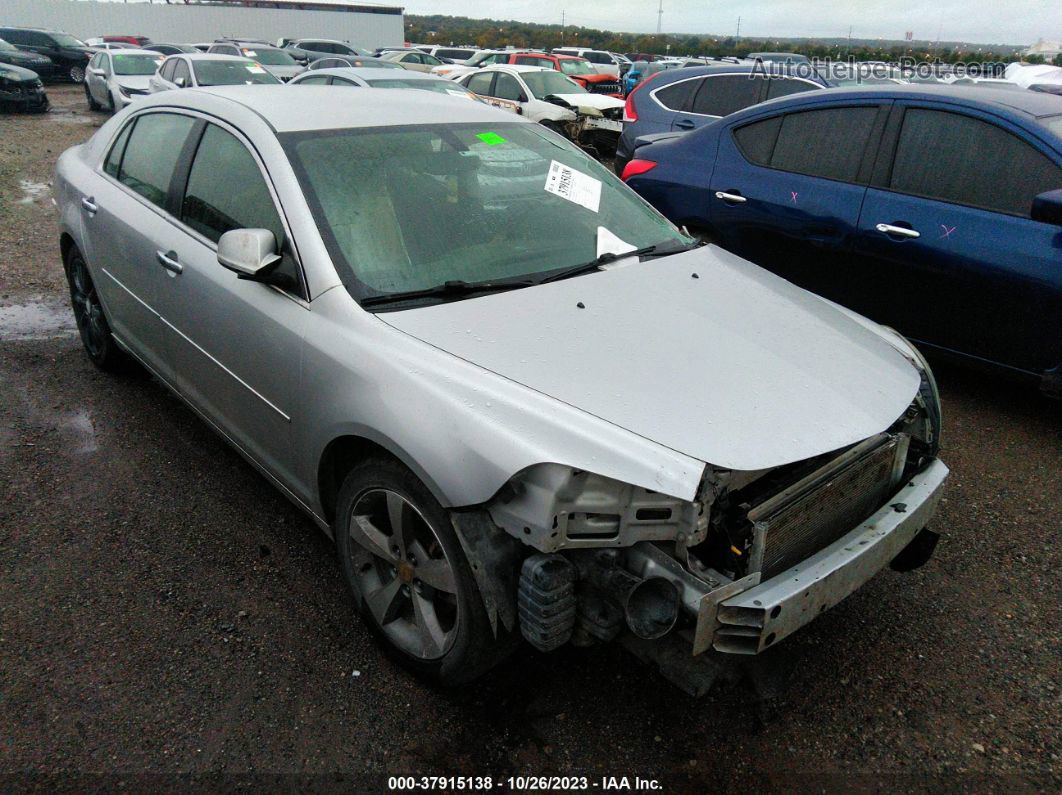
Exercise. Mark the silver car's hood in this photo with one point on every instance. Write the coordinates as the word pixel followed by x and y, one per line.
pixel 138 82
pixel 735 367
pixel 598 101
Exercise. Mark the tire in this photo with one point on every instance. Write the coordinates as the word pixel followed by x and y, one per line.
pixel 92 325
pixel 92 103
pixel 77 74
pixel 438 633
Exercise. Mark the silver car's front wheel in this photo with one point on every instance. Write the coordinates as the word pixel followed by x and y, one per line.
pixel 403 574
pixel 408 573
pixel 77 74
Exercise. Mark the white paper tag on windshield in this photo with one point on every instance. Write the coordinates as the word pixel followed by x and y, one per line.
pixel 256 70
pixel 608 243
pixel 574 186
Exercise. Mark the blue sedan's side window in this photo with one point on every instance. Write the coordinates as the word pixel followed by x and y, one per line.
pixel 963 160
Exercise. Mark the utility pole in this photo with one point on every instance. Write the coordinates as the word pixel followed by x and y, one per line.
pixel 563 12
pixel 738 34
pixel 849 39
pixel 659 17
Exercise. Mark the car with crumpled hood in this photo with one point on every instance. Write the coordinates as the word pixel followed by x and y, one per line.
pixel 524 404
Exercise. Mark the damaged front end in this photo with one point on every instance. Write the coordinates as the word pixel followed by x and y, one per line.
pixel 590 127
pixel 752 558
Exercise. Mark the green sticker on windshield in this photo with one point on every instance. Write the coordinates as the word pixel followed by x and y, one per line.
pixel 491 139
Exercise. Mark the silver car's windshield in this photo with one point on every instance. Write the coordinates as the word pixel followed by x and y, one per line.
pixel 136 64
pixel 544 83
pixel 440 86
pixel 270 57
pixel 231 73
pixel 412 208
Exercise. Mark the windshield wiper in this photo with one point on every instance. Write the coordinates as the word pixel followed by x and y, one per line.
pixel 660 250
pixel 449 289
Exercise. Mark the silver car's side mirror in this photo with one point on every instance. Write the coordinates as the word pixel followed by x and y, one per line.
pixel 180 82
pixel 249 252
pixel 97 72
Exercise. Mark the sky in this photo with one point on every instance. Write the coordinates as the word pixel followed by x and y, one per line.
pixel 979 21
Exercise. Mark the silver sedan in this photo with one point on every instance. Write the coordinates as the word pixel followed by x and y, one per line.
pixel 523 403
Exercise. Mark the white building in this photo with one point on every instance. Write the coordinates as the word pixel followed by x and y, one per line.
pixel 1047 49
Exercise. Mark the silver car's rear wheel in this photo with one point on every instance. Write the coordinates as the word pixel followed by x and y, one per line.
pixel 403 574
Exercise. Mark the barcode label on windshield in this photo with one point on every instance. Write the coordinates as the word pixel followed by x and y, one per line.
pixel 574 186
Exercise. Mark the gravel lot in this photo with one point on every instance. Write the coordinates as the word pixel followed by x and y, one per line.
pixel 167 617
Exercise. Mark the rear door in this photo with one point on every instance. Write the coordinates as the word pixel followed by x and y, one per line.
pixel 946 251
pixel 786 191
pixel 237 343
pixel 130 211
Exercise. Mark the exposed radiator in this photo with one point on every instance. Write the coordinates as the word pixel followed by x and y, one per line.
pixel 825 505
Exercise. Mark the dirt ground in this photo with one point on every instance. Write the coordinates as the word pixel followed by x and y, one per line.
pixel 167 619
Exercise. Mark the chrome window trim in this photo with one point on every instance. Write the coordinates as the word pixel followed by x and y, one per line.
pixel 653 92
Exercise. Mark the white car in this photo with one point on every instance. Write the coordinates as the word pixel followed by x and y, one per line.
pixel 114 78
pixel 481 59
pixel 414 60
pixel 191 70
pixel 552 99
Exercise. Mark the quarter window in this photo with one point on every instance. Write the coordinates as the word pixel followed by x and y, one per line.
pixel 151 154
pixel 726 94
pixel 676 95
pixel 960 159
pixel 316 80
pixel 182 70
pixel 784 86
pixel 166 73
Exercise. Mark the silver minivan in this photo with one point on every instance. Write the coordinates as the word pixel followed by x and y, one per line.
pixel 525 405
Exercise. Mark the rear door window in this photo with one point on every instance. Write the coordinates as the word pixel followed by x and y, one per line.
pixel 507 87
pixel 827 143
pixel 151 154
pixel 480 83
pixel 316 80
pixel 960 159
pixel 784 86
pixel 726 94
pixel 114 157
pixel 166 72
pixel 182 70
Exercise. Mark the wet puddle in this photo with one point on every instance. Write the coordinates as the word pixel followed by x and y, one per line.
pixel 33 191
pixel 36 320
pixel 76 426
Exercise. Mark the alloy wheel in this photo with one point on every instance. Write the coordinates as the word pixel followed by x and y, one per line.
pixel 77 74
pixel 87 309
pixel 403 574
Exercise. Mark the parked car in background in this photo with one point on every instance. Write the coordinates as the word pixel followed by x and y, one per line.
pixel 278 62
pixel 381 78
pixel 602 61
pixel 134 41
pixel 481 59
pixel 208 69
pixel 450 54
pixel 642 56
pixel 24 59
pixel 552 99
pixel 407 315
pixel 679 100
pixel 643 70
pixel 117 77
pixel 937 211
pixel 578 69
pixel 414 60
pixel 99 44
pixel 70 55
pixel 307 50
pixel 778 57
pixel 354 61
pixel 172 49
pixel 21 89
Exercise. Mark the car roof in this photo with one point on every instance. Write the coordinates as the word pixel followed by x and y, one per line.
pixel 210 56
pixel 1032 104
pixel 132 51
pixel 328 108
pixel 372 73
pixel 514 67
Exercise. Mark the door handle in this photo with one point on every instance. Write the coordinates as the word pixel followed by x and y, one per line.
pixel 685 124
pixel 736 198
pixel 900 231
pixel 169 261
pixel 89 205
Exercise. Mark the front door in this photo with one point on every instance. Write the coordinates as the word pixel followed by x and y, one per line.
pixel 946 250
pixel 237 343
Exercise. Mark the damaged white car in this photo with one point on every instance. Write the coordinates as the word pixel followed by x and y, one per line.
pixel 523 403
pixel 553 100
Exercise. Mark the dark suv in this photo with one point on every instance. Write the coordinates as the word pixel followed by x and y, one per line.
pixel 306 51
pixel 70 55
pixel 10 54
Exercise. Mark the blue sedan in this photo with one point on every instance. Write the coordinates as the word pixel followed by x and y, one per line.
pixel 935 210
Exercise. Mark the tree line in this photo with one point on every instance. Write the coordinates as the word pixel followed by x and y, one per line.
pixel 491 33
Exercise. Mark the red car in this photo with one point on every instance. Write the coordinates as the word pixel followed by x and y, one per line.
pixel 578 69
pixel 136 41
